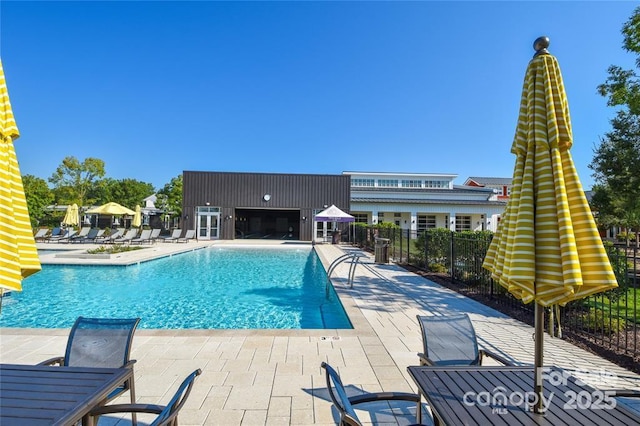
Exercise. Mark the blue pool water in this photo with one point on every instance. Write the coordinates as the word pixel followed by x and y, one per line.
pixel 213 288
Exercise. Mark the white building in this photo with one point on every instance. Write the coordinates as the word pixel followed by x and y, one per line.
pixel 419 201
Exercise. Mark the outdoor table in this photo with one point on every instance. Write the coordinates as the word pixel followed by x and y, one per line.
pixel 52 395
pixel 500 396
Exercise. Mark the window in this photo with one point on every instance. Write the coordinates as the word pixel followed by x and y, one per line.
pixel 203 209
pixel 463 223
pixel 361 217
pixel 362 182
pixel 410 183
pixel 426 222
pixel 436 184
pixel 380 217
pixel 388 183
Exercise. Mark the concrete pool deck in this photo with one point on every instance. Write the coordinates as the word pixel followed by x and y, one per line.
pixel 273 377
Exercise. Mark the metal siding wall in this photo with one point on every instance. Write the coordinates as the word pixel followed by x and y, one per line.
pixel 246 190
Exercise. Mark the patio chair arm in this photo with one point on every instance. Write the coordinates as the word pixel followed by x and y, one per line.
pixel 129 363
pixel 425 360
pixel 384 396
pixel 126 408
pixel 59 360
pixel 499 358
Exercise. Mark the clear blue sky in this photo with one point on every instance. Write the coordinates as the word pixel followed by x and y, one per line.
pixel 155 88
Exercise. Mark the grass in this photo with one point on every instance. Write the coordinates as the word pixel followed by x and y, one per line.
pixel 625 306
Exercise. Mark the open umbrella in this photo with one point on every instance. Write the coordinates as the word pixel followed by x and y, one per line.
pixel 333 214
pixel 137 218
pixel 547 248
pixel 112 209
pixel 18 253
pixel 71 217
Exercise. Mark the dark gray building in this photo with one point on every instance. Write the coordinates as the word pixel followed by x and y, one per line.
pixel 225 205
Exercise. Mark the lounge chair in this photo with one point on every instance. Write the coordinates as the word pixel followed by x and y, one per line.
pixel 344 404
pixel 189 235
pixel 55 233
pixel 109 238
pixel 167 414
pixel 145 237
pixel 84 231
pixel 174 236
pixel 98 236
pixel 64 236
pixel 155 233
pixel 90 236
pixel 451 340
pixel 103 343
pixel 126 238
pixel 41 234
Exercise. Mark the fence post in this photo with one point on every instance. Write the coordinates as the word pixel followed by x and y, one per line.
pixel 426 246
pixel 451 262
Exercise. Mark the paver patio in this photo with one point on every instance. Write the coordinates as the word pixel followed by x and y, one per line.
pixel 273 377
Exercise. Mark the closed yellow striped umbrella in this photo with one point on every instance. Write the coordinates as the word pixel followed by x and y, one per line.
pixel 547 248
pixel 18 253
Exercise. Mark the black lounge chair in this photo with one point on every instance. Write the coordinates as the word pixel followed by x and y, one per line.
pixel 167 414
pixel 101 342
pixel 451 340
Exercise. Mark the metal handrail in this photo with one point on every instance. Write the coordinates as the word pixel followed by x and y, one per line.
pixel 354 257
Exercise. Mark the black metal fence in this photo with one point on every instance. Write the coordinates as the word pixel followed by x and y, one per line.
pixel 608 320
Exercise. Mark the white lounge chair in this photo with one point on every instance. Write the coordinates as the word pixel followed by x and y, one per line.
pixel 41 234
pixel 155 233
pixel 174 236
pixel 126 238
pixel 145 237
pixel 189 235
pixel 109 238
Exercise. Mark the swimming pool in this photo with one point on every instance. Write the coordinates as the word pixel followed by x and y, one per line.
pixel 211 288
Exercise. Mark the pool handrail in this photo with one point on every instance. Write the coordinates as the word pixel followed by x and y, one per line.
pixel 355 259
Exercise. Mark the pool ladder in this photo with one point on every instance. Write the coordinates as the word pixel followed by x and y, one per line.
pixel 354 258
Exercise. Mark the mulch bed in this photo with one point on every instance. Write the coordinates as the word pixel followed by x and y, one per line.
pixel 615 355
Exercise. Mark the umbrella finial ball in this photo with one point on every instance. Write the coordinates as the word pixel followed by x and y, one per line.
pixel 541 44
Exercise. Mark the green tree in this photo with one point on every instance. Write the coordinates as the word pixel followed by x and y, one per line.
pixel 170 197
pixel 73 179
pixel 616 163
pixel 127 192
pixel 622 87
pixel 38 195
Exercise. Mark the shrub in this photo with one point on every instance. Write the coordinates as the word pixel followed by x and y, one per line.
pixel 113 249
pixel 597 319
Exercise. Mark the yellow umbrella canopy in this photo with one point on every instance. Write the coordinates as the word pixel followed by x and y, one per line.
pixel 137 218
pixel 71 217
pixel 18 253
pixel 111 208
pixel 547 248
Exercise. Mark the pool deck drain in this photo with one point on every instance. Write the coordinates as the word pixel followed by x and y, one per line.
pixel 273 377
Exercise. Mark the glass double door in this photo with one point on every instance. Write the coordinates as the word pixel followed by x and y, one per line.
pixel 208 226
